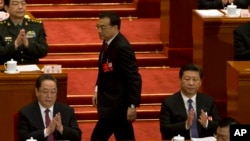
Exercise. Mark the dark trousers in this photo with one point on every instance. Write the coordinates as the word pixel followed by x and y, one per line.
pixel 122 129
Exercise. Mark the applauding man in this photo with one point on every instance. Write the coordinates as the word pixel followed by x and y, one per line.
pixel 47 119
pixel 21 39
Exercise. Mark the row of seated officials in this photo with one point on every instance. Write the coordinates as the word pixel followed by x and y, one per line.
pixel 187 112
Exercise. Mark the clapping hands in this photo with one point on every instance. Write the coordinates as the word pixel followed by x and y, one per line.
pixel 21 39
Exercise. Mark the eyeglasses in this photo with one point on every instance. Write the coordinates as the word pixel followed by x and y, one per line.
pixel 102 27
pixel 17 3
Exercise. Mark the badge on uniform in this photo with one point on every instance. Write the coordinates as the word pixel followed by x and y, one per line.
pixel 107 67
pixel 31 34
pixel 8 39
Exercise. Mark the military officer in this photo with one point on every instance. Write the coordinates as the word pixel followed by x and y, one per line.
pixel 21 39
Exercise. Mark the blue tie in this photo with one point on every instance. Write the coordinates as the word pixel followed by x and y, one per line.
pixel 193 128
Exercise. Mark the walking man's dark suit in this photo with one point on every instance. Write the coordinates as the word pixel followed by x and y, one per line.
pixel 119 83
pixel 242 42
pixel 31 123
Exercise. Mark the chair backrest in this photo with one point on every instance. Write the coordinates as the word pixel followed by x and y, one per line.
pixel 15 124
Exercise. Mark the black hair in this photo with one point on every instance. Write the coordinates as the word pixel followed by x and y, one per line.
pixel 190 67
pixel 227 122
pixel 44 77
pixel 113 16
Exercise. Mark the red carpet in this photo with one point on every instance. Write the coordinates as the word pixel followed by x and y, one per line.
pixel 149 129
pixel 84 31
pixel 82 81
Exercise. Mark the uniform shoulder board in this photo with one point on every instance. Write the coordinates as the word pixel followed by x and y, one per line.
pixel 34 21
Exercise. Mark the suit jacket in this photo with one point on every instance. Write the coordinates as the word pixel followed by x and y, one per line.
pixel 217 4
pixel 242 42
pixel 119 85
pixel 30 123
pixel 173 116
pixel 37 48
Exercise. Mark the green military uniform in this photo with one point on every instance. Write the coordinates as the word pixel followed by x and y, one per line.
pixel 36 35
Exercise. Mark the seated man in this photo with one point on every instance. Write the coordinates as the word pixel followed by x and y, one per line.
pixel 46 119
pixel 242 42
pixel 221 4
pixel 188 112
pixel 223 132
pixel 21 39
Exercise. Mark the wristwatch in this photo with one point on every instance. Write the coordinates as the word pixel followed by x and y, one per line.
pixel 132 106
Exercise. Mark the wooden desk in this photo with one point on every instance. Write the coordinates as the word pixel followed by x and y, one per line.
pixel 238 90
pixel 212 47
pixel 18 90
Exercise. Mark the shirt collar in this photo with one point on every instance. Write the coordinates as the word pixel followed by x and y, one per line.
pixel 185 98
pixel 43 108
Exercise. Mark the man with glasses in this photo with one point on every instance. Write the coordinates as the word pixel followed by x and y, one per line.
pixel 46 119
pixel 118 86
pixel 21 39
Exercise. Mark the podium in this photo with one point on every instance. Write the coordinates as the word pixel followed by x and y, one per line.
pixel 238 90
pixel 18 90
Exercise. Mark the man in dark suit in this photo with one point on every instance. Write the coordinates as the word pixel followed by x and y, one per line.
pixel 21 39
pixel 242 42
pixel 220 4
pixel 59 123
pixel 118 86
pixel 178 116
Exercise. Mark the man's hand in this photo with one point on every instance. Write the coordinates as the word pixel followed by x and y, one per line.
pixel 230 1
pixel 52 126
pixel 25 41
pixel 18 41
pixel 203 118
pixel 59 126
pixel 131 114
pixel 94 100
pixel 190 118
pixel 225 2
pixel 21 39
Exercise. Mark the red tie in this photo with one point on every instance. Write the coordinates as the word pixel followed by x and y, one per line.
pixel 47 121
pixel 105 46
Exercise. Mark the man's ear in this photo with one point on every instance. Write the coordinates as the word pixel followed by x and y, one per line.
pixel 6 8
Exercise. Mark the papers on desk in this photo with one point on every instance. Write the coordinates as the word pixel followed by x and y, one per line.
pixel 27 68
pixel 210 13
pixel 204 139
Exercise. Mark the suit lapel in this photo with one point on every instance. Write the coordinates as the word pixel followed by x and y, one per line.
pixel 198 104
pixel 180 104
pixel 38 116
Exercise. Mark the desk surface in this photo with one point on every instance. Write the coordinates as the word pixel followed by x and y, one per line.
pixel 241 66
